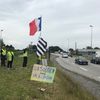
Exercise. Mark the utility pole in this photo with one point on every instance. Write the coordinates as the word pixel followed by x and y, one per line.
pixel 91 26
pixel 68 46
pixel 75 45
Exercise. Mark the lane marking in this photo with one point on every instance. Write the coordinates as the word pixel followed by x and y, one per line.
pixel 73 63
pixel 83 69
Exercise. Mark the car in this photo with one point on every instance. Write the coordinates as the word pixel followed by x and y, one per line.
pixel 64 55
pixel 95 60
pixel 81 61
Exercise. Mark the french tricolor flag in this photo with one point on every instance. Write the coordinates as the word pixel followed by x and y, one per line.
pixel 35 26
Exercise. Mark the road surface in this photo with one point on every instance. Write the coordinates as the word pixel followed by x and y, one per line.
pixel 91 71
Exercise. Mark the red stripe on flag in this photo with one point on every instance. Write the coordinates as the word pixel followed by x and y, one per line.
pixel 33 27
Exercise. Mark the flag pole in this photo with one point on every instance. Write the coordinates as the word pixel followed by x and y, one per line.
pixel 40 28
pixel 40 36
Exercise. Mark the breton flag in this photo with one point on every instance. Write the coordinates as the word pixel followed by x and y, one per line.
pixel 41 47
pixel 35 26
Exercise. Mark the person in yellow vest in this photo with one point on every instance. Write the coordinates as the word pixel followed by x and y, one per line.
pixel 9 59
pixel 12 57
pixel 25 57
pixel 39 60
pixel 3 56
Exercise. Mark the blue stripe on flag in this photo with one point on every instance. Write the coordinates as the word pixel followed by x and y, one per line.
pixel 40 22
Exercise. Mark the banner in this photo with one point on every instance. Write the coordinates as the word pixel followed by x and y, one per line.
pixel 43 73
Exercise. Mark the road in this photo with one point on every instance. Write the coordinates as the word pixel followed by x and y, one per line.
pixel 91 71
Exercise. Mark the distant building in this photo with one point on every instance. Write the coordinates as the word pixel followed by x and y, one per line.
pixel 98 53
pixel 86 51
pixel 89 52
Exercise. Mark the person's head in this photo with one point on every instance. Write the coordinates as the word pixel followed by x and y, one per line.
pixel 3 47
pixel 9 49
pixel 24 50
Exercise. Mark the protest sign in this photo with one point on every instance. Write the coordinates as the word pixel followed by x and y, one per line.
pixel 43 73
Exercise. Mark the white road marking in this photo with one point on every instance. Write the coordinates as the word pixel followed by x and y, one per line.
pixel 73 63
pixel 83 69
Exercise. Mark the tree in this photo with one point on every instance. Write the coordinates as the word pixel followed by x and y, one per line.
pixel 10 47
pixel 55 48
pixel 71 51
pixel 88 47
pixel 1 43
pixel 96 48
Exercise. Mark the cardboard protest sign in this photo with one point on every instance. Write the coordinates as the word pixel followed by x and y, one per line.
pixel 43 73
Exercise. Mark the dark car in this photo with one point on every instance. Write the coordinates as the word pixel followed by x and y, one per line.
pixel 95 60
pixel 81 61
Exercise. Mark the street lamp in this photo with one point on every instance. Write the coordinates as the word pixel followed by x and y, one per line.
pixel 91 26
pixel 68 45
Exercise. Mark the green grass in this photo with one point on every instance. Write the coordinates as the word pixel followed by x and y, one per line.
pixel 15 84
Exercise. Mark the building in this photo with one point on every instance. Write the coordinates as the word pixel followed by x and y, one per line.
pixel 89 53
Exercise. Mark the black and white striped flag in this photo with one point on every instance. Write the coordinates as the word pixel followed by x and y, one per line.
pixel 41 47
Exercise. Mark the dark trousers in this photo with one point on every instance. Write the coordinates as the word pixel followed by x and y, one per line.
pixel 39 61
pixel 12 60
pixel 3 59
pixel 24 61
pixel 9 64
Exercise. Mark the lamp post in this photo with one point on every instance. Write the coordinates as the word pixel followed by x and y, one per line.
pixel 68 45
pixel 91 26
pixel 75 45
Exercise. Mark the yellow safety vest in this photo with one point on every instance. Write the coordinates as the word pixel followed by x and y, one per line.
pixel 9 56
pixel 12 53
pixel 3 52
pixel 25 54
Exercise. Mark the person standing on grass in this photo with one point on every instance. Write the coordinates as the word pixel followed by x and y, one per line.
pixel 12 57
pixel 25 58
pixel 3 56
pixel 9 58
pixel 39 60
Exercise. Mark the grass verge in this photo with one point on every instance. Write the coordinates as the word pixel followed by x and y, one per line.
pixel 15 84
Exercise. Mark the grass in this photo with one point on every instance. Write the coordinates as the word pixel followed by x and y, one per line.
pixel 15 84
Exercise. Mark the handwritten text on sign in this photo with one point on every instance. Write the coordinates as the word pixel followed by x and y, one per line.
pixel 43 73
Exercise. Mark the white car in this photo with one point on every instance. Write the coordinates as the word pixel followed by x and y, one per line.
pixel 64 55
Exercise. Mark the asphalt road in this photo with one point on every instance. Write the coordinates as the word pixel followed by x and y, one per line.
pixel 91 71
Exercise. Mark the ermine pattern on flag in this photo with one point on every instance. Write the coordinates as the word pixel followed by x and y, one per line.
pixel 41 47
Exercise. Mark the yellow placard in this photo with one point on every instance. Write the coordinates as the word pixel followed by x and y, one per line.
pixel 43 73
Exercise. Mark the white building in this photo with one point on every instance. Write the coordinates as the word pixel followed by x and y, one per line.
pixel 89 52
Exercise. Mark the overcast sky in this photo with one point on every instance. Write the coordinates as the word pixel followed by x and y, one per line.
pixel 64 22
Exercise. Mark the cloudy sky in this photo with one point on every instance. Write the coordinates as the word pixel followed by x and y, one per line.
pixel 64 22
